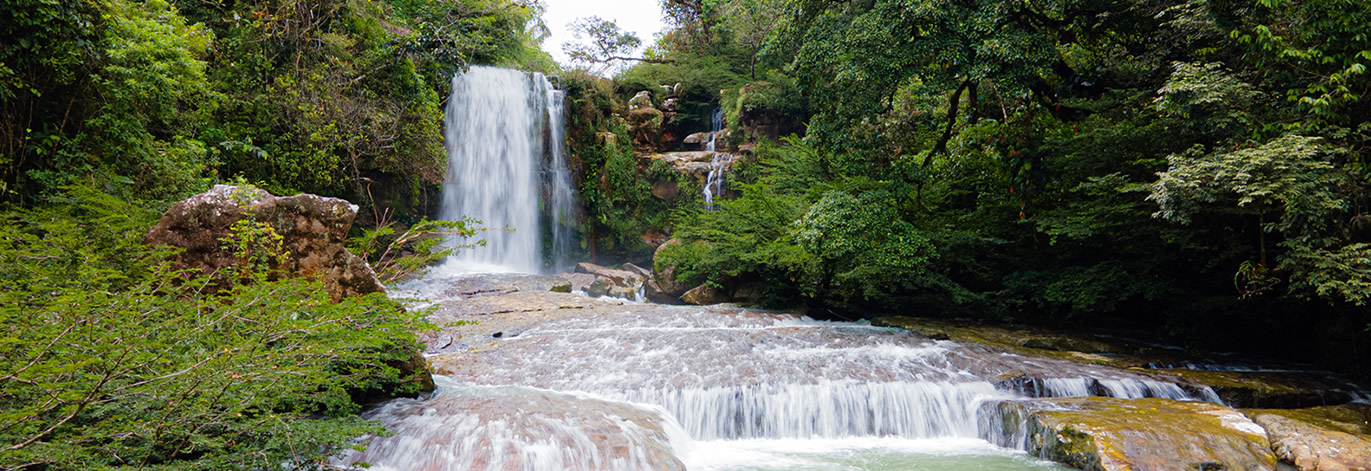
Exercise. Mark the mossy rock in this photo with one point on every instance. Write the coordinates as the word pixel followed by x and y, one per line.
pixel 910 323
pixel 1353 419
pixel 1277 390
pixel 1095 433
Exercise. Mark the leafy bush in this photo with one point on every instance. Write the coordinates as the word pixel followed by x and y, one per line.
pixel 109 360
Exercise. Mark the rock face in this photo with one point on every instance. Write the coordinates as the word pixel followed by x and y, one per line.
pixel 313 229
pixel 704 295
pixel 1313 448
pixel 617 283
pixel 1107 434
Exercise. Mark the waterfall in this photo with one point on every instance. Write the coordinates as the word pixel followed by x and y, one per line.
pixel 504 141
pixel 714 183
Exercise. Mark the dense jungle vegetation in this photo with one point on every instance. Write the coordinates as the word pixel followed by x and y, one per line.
pixel 1195 168
pixel 110 111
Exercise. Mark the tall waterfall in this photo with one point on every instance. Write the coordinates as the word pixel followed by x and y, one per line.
pixel 506 169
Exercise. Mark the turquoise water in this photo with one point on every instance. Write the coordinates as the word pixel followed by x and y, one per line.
pixel 861 453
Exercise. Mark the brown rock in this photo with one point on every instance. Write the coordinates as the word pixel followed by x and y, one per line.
pixel 697 141
pixel 622 278
pixel 1309 447
pixel 654 238
pixel 665 190
pixel 578 281
pixel 312 228
pixel 605 137
pixel 640 101
pixel 1109 434
pixel 704 295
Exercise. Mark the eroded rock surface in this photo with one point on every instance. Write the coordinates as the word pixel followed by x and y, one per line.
pixel 1333 445
pixel 1109 434
pixel 313 229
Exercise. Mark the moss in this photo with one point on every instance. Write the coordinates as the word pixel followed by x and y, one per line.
pixel 1107 433
pixel 1267 389
pixel 1349 418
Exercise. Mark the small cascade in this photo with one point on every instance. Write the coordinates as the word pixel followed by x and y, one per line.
pixel 714 183
pixel 504 142
pixel 1120 387
pixel 563 204
pixel 829 409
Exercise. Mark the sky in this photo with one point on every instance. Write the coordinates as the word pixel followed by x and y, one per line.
pixel 641 17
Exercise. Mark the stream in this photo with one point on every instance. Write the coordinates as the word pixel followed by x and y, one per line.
pixel 571 382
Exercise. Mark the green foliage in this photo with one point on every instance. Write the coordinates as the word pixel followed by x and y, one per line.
pixel 110 359
pixel 861 244
pixel 395 257
pixel 1293 174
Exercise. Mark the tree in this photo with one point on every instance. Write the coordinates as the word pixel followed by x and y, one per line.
pixel 608 44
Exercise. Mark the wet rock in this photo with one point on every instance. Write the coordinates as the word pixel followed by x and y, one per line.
pixel 599 287
pixel 1065 344
pixel 578 281
pixel 1278 390
pixel 1312 448
pixel 500 283
pixel 313 230
pixel 909 323
pixel 696 142
pixel 1107 434
pixel 704 295
pixel 621 278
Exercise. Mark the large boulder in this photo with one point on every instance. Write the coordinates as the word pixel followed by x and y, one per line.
pixel 663 280
pixel 1108 434
pixel 704 295
pixel 625 284
pixel 1318 439
pixel 312 229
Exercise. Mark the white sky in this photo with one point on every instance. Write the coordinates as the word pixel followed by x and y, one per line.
pixel 641 17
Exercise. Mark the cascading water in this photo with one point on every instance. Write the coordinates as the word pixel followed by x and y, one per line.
pixel 718 164
pixel 504 142
pixel 728 390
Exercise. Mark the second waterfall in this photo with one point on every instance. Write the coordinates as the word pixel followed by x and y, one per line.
pixel 507 169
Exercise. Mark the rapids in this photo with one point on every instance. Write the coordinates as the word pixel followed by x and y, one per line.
pixel 590 384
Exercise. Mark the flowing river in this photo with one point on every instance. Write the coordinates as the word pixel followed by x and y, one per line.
pixel 570 382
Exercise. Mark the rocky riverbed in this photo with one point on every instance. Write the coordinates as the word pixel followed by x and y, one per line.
pixel 723 372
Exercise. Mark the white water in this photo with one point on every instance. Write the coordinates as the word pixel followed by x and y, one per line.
pixel 504 141
pixel 718 389
pixel 718 165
